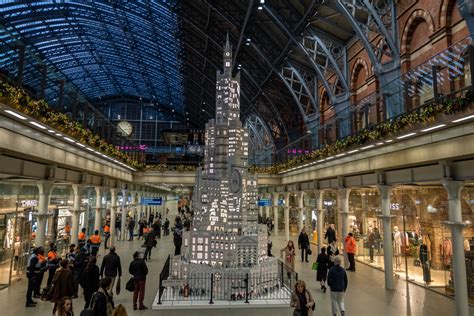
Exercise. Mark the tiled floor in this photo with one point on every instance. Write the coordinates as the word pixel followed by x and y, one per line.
pixel 366 294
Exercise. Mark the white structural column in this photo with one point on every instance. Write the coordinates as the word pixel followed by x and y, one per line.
pixel 113 215
pixel 320 218
pixel 76 212
pixel 287 216
pixel 98 208
pixel 136 205
pixel 385 191
pixel 45 188
pixel 124 216
pixel 300 197
pixel 344 200
pixel 459 264
pixel 275 213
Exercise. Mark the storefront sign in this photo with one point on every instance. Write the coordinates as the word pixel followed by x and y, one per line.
pixel 395 206
pixel 264 202
pixel 29 203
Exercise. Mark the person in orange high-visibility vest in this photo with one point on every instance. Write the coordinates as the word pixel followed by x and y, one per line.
pixel 106 234
pixel 81 238
pixel 67 233
pixel 52 263
pixel 94 242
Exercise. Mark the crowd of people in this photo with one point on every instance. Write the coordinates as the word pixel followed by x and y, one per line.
pixel 329 272
pixel 77 273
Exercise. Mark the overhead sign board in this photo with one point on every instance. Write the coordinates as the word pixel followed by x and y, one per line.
pixel 151 201
pixel 264 202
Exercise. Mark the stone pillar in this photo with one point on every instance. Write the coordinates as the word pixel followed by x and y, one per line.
pixel 113 215
pixel 320 218
pixel 301 212
pixel 98 208
pixel 385 191
pixel 124 216
pixel 343 194
pixel 76 212
pixel 287 216
pixel 275 213
pixel 136 198
pixel 45 188
pixel 457 226
pixel 267 208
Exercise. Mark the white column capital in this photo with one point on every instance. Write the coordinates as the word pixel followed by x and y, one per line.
pixel 384 190
pixel 45 186
pixel 453 187
pixel 344 192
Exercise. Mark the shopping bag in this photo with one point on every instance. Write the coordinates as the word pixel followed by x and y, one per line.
pixel 117 286
pixel 309 252
pixel 130 286
pixel 314 266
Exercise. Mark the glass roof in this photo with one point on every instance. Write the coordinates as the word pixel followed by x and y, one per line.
pixel 104 48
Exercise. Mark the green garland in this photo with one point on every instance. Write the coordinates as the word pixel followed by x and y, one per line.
pixel 423 115
pixel 39 109
pixel 164 168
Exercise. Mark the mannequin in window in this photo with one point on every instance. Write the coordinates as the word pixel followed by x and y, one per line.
pixel 371 244
pixel 447 252
pixel 397 244
pixel 425 263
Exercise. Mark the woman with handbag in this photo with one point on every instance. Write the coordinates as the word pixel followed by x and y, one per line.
pixel 322 268
pixel 332 252
pixel 302 300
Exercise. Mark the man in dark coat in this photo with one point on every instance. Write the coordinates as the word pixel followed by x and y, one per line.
pixel 111 266
pixel 139 270
pixel 131 227
pixel 330 234
pixel 337 281
pixel 303 244
pixel 63 284
pixel 149 243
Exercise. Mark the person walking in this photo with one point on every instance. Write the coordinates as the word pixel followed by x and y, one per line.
pixel 321 273
pixel 150 242
pixel 80 263
pixel 337 281
pixel 90 280
pixel 330 234
pixel 118 226
pixel 141 228
pixel 65 307
pixel 303 244
pixel 31 274
pixel 332 252
pixel 302 300
pixel 52 263
pixel 106 234
pixel 166 227
pixel 63 284
pixel 290 254
pixel 131 228
pixel 94 242
pixel 103 304
pixel 111 266
pixel 350 249
pixel 139 270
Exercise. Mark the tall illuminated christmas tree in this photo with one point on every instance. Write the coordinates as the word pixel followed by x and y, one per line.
pixel 225 237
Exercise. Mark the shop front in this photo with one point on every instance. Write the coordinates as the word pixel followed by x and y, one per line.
pixel 421 237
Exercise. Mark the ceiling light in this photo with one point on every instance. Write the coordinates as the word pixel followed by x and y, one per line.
pixel 321 160
pixel 406 135
pixel 328 158
pixel 389 141
pixel 434 127
pixel 51 131
pixel 260 7
pixel 21 117
pixel 262 1
pixel 90 149
pixel 463 119
pixel 79 144
pixel 353 151
pixel 38 125
pixel 57 134
pixel 378 144
pixel 367 147
pixel 340 155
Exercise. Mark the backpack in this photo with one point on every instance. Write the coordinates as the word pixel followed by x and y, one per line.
pixel 89 310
